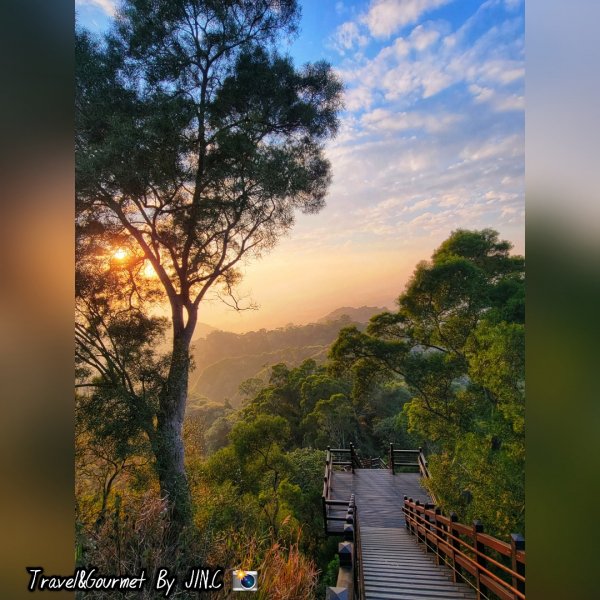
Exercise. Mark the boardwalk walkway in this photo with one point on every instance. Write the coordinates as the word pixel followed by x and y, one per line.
pixel 394 566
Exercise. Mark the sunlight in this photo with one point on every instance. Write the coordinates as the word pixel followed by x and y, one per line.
pixel 120 254
pixel 149 271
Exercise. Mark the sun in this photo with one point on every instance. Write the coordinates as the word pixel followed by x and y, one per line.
pixel 120 254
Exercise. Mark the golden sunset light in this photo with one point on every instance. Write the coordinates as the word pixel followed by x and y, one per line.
pixel 333 197
pixel 148 270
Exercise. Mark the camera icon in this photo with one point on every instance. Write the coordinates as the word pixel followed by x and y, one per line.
pixel 244 581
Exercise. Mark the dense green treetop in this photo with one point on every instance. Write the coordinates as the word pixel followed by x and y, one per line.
pixel 457 343
pixel 196 142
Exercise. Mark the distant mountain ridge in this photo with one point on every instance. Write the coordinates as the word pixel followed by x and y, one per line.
pixel 358 315
pixel 224 359
pixel 203 330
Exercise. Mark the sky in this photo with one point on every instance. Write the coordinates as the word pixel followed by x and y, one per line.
pixel 431 140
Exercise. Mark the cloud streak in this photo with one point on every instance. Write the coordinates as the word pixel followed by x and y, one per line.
pixel 107 6
pixel 432 139
pixel 386 17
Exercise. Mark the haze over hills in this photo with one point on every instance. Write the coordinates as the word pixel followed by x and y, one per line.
pixel 358 315
pixel 224 359
pixel 203 330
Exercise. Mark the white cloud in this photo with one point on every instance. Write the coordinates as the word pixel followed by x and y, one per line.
pixel 419 66
pixel 499 101
pixel 386 17
pixel 414 186
pixel 482 94
pixel 501 71
pixel 508 146
pixel 411 163
pixel 383 19
pixel 108 6
pixel 386 121
pixel 358 98
pixel 435 81
pixel 514 102
pixel 422 38
pixel 347 36
pixel 512 4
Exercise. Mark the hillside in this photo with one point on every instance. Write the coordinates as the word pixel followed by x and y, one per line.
pixel 203 330
pixel 359 315
pixel 224 360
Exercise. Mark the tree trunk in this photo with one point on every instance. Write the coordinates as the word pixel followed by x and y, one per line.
pixel 168 442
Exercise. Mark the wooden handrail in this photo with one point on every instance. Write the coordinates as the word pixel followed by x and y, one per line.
pixel 423 468
pixel 358 566
pixel 331 456
pixel 350 579
pixel 327 475
pixel 410 456
pixel 442 535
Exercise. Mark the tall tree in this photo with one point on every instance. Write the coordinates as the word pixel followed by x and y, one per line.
pixel 196 141
pixel 456 341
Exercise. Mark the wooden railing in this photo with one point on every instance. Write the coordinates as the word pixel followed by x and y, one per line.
pixel 423 469
pixel 403 458
pixel 336 459
pixel 344 458
pixel 496 569
pixel 349 585
pixel 374 462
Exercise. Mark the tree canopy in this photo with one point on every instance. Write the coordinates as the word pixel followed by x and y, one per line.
pixel 457 342
pixel 195 143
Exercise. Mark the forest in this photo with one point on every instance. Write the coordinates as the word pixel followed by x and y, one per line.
pixel 198 142
pixel 224 359
pixel 444 371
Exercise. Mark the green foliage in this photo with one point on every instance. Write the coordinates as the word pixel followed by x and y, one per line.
pixel 496 355
pixel 332 422
pixel 323 408
pixel 196 142
pixel 331 573
pixel 217 435
pixel 259 439
pixel 457 343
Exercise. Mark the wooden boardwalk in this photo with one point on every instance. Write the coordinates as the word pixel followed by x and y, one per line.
pixel 395 567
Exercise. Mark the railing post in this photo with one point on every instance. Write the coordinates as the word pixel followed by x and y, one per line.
pixel 392 458
pixel 517 543
pixel 457 569
pixel 352 456
pixel 481 561
pixel 349 529
pixel 345 552
pixel 337 593
pixel 324 505
pixel 438 532
pixel 405 511
pixel 417 520
pixel 427 526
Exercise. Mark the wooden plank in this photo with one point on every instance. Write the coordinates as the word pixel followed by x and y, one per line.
pixel 497 545
pixel 496 588
pixel 394 566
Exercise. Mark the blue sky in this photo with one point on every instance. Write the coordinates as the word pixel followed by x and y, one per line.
pixel 431 139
